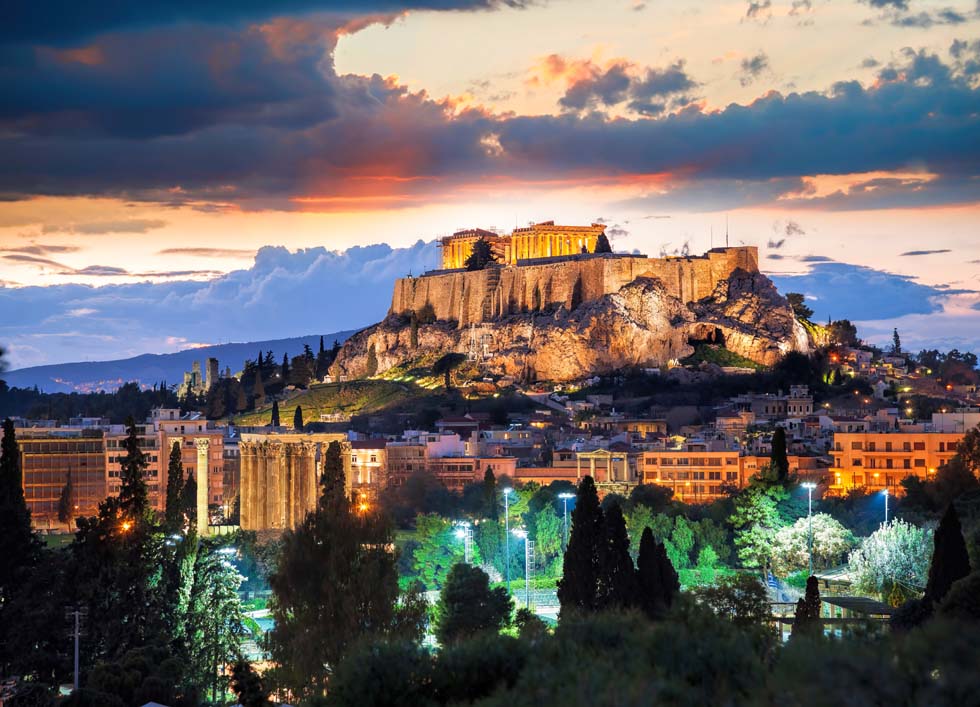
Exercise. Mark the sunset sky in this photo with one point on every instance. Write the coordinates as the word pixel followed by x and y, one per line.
pixel 178 174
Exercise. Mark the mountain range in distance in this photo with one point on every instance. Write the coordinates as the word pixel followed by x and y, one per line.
pixel 151 369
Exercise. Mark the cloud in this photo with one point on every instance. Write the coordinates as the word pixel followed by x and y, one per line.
pixel 856 292
pixel 649 93
pixel 752 67
pixel 42 249
pixel 209 252
pixel 282 294
pixel 274 127
pixel 103 227
pixel 925 252
pixel 99 270
pixel 776 244
pixel 63 20
pixel 758 10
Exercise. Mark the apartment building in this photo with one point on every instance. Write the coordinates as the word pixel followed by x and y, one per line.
pixel 880 460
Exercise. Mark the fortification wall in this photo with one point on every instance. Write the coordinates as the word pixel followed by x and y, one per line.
pixel 485 295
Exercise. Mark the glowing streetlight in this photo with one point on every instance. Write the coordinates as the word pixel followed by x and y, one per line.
pixel 885 491
pixel 565 497
pixel 507 491
pixel 528 552
pixel 465 533
pixel 809 486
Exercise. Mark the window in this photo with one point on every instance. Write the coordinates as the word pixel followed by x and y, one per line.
pixel 919 446
pixel 855 445
pixel 731 476
pixel 920 463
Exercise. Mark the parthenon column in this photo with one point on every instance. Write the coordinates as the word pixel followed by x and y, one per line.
pixel 203 445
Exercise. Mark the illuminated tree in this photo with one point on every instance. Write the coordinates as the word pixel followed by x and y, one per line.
pixel 892 562
pixel 757 520
pixel 791 551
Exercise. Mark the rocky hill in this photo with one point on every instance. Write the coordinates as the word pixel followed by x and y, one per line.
pixel 641 324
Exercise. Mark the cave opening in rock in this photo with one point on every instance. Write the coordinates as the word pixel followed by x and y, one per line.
pixel 707 336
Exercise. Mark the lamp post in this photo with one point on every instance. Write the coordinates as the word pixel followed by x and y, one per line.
pixel 809 486
pixel 564 499
pixel 522 534
pixel 507 492
pixel 885 491
pixel 464 533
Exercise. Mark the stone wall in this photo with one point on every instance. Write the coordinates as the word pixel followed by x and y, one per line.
pixel 486 295
pixel 280 477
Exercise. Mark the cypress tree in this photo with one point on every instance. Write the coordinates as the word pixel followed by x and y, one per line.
pixel 298 418
pixel 175 486
pixel 64 500
pixel 578 587
pixel 480 256
pixel 285 369
pixel 807 616
pixel 275 414
pixel 133 498
pixel 371 366
pixel 333 480
pixel 950 560
pixel 241 400
pixel 259 389
pixel 618 587
pixel 490 509
pixel 19 547
pixel 602 244
pixel 656 577
pixel 779 460
pixel 188 499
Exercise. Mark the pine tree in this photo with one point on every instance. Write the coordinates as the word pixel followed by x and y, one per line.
pixel 275 414
pixel 578 587
pixel 175 486
pixel 617 587
pixel 656 577
pixel 896 342
pixel 284 370
pixel 133 497
pixel 950 560
pixel 481 255
pixel 779 461
pixel 602 244
pixel 65 506
pixel 298 418
pixel 807 617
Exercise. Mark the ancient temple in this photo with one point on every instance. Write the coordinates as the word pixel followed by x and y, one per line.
pixel 539 240
pixel 280 477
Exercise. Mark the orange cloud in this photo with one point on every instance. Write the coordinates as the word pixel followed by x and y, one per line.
pixel 89 56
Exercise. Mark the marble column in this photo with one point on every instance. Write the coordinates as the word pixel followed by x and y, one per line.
pixel 203 477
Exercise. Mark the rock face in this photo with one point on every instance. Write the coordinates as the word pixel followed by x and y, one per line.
pixel 642 324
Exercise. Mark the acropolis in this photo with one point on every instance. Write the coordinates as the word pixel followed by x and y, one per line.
pixel 539 240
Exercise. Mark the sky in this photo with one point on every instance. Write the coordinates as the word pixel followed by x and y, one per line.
pixel 174 175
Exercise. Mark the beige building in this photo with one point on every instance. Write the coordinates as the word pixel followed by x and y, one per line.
pixel 280 477
pixel 880 460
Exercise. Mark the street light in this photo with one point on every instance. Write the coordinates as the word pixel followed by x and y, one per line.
pixel 465 533
pixel 528 551
pixel 885 491
pixel 564 499
pixel 507 491
pixel 809 486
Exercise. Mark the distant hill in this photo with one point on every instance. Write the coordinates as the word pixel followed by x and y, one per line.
pixel 149 369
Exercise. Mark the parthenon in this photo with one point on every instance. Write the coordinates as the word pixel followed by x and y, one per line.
pixel 539 240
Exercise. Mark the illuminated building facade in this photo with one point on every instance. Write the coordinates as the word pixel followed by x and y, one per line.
pixel 539 240
pixel 880 460
pixel 48 457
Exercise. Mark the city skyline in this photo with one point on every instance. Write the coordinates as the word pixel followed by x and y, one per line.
pixel 232 157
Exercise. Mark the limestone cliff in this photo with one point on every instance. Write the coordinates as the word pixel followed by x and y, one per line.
pixel 641 324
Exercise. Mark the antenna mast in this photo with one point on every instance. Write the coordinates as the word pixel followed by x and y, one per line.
pixel 726 230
